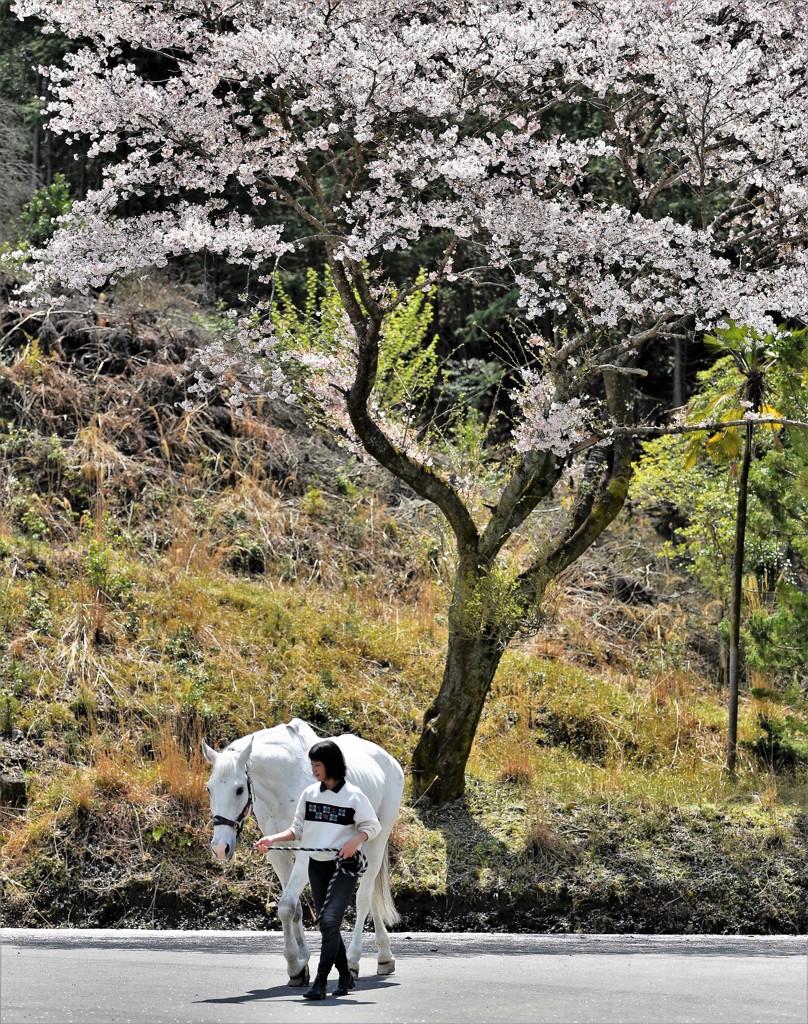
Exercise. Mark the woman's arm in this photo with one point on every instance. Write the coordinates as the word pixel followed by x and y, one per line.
pixel 265 842
pixel 293 833
pixel 367 824
pixel 353 844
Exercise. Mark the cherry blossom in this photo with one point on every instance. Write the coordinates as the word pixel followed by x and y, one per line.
pixel 403 120
pixel 637 166
pixel 547 423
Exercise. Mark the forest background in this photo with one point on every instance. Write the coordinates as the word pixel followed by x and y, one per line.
pixel 169 576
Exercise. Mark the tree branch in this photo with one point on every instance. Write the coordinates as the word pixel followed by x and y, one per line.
pixel 377 444
pixel 683 428
pixel 600 507
pixel 531 481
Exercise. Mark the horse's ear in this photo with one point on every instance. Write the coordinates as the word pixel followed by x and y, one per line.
pixel 244 756
pixel 209 752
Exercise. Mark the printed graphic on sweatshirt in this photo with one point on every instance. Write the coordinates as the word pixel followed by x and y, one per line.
pixel 329 812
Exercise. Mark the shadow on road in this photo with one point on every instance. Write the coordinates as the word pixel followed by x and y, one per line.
pixel 278 991
pixel 254 995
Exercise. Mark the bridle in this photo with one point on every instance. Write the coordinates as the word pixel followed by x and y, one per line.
pixel 239 823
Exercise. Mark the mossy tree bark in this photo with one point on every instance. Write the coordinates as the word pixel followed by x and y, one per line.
pixel 484 619
pixel 450 724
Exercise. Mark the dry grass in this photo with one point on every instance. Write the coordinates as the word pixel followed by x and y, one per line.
pixel 182 772
pixel 220 578
pixel 194 551
pixel 516 765
pixel 544 845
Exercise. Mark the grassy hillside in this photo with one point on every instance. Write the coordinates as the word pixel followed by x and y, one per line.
pixel 169 576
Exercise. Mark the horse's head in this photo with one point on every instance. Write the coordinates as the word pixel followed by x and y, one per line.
pixel 230 797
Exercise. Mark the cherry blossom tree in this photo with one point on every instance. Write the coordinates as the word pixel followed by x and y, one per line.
pixel 637 167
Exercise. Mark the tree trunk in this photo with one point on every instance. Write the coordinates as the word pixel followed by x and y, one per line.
pixel 36 135
pixel 439 759
pixel 736 599
pixel 679 373
pixel 35 158
pixel 48 159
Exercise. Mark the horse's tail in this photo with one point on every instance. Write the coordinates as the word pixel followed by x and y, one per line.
pixel 382 895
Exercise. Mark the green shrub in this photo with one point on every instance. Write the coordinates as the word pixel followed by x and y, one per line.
pixel 38 220
pixel 784 743
pixel 9 712
pixel 246 555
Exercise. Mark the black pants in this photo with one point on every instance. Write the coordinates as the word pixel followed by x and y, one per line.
pixel 332 948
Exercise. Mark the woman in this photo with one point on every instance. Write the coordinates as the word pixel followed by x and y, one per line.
pixel 336 814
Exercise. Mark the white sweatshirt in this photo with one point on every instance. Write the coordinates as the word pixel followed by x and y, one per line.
pixel 330 817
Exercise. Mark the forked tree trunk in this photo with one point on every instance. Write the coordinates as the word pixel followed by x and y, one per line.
pixel 479 631
pixel 439 759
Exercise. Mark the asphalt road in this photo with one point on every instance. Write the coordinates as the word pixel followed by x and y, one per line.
pixel 162 977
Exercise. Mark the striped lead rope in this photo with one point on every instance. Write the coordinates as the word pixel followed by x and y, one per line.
pixel 344 866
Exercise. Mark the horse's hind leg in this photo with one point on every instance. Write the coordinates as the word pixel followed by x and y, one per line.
pixel 369 899
pixel 384 913
pixel 385 963
pixel 364 897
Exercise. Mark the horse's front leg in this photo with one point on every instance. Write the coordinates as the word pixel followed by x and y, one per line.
pixel 290 912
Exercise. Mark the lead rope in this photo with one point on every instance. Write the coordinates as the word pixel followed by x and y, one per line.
pixel 342 867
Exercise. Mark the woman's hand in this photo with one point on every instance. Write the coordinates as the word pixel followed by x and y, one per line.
pixel 353 844
pixel 265 842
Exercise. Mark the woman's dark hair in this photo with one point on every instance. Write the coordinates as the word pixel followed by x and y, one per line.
pixel 330 756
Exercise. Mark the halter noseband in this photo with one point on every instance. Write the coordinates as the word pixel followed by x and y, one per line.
pixel 241 820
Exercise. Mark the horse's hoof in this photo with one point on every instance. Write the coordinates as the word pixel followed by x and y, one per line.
pixel 299 980
pixel 388 967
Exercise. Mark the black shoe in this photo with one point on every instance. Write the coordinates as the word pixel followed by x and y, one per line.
pixel 318 989
pixel 345 984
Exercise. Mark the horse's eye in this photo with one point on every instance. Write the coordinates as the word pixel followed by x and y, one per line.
pixel 239 791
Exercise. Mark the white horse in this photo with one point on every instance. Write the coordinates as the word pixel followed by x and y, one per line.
pixel 266 772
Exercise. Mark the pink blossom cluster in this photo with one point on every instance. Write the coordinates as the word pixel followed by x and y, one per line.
pixel 547 424
pixel 243 361
pixel 329 378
